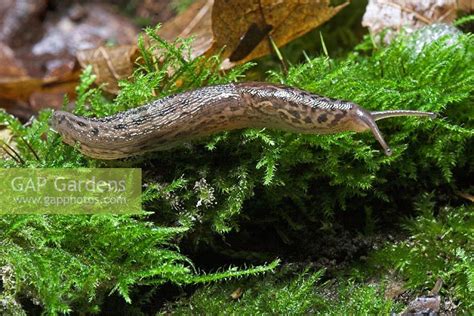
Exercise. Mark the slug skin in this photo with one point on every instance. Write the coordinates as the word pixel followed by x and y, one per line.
pixel 170 121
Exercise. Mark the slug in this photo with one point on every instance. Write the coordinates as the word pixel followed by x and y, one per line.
pixel 170 121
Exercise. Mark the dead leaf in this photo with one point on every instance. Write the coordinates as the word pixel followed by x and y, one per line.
pixel 40 68
pixel 18 108
pixel 22 88
pixel 411 14
pixel 110 64
pixel 282 20
pixel 425 304
pixel 242 27
pixel 38 99
pixel 11 66
pixel 465 5
pixel 196 21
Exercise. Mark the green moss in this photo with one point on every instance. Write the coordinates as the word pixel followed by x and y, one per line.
pixel 293 186
pixel 70 263
pixel 441 245
pixel 287 294
pixel 345 171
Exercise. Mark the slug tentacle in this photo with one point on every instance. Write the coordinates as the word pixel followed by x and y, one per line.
pixel 173 120
pixel 368 119
pixel 380 115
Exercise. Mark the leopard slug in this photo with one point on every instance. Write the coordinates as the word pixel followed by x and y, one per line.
pixel 170 121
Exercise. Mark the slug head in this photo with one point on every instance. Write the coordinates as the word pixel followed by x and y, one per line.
pixel 68 126
pixel 59 123
pixel 364 120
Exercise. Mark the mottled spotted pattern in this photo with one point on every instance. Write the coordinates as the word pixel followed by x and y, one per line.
pixel 297 110
pixel 170 121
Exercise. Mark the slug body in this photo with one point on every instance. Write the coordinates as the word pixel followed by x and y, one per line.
pixel 168 122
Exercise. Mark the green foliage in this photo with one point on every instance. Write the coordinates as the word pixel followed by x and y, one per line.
pixel 38 146
pixel 287 294
pixel 347 171
pixel 66 262
pixel 70 263
pixel 298 184
pixel 441 245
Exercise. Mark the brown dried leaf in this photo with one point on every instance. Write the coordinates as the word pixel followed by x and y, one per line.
pixel 23 95
pixel 196 22
pixel 282 20
pixel 241 27
pixel 411 14
pixel 23 87
pixel 110 64
pixel 465 5
pixel 38 69
pixel 11 66
pixel 18 108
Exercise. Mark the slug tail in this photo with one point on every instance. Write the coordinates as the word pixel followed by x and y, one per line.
pixel 380 115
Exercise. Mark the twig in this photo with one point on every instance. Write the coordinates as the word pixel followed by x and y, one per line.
pixel 31 149
pixel 9 154
pixel 13 153
pixel 111 67
pixel 408 10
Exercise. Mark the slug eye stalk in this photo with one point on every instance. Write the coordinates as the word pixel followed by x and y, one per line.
pixel 369 118
pixel 380 115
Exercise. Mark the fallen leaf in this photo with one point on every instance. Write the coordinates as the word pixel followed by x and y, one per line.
pixel 23 87
pixel 233 21
pixel 11 66
pixel 40 68
pixel 20 21
pixel 465 5
pixel 110 64
pixel 19 108
pixel 241 28
pixel 410 14
pixel 196 21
